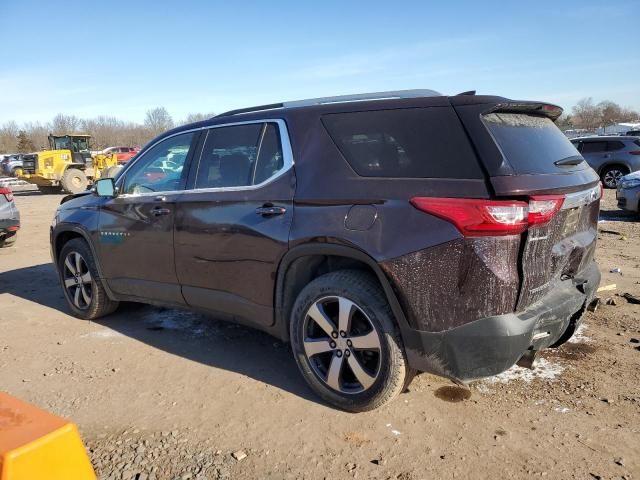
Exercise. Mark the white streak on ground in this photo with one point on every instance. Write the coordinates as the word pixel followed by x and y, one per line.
pixel 544 370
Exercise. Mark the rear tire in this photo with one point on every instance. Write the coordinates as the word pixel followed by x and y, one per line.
pixel 74 181
pixel 8 240
pixel 364 351
pixel 611 175
pixel 81 283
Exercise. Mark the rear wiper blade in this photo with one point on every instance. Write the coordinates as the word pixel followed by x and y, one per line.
pixel 569 161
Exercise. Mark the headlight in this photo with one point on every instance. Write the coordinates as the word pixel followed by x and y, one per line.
pixel 631 183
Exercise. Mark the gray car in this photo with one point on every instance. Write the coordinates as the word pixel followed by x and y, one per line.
pixel 9 218
pixel 628 192
pixel 611 156
pixel 10 164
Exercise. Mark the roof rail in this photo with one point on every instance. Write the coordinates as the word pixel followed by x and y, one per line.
pixel 362 97
pixel 359 97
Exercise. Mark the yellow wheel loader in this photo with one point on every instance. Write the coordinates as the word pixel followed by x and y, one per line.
pixel 68 165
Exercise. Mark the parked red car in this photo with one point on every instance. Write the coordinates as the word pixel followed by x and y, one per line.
pixel 123 154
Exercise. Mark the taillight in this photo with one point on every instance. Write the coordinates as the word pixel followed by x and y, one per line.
pixel 8 194
pixel 480 217
pixel 542 208
pixel 474 217
pixel 635 152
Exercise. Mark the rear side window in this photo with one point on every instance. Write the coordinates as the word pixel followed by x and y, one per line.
pixel 532 144
pixel 405 143
pixel 613 146
pixel 594 147
pixel 240 156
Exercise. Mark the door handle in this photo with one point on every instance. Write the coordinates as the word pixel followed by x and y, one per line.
pixel 270 210
pixel 159 211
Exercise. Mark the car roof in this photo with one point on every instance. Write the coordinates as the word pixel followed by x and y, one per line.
pixel 606 137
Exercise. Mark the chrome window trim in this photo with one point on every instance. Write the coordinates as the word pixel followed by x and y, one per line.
pixel 287 158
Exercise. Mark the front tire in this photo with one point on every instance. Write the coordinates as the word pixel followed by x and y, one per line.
pixel 346 343
pixel 74 181
pixel 81 283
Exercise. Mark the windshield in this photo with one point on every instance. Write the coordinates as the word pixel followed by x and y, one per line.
pixel 533 144
pixel 75 144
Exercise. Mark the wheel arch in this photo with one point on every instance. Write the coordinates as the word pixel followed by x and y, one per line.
pixel 305 262
pixel 62 235
pixel 613 163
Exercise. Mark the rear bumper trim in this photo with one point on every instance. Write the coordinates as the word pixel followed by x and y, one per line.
pixel 491 345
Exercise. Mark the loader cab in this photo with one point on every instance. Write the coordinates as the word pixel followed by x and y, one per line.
pixel 78 145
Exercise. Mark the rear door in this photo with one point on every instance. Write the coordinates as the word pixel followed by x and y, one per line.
pixel 594 152
pixel 232 224
pixel 527 156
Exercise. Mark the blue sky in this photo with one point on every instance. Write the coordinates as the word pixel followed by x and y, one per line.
pixel 120 58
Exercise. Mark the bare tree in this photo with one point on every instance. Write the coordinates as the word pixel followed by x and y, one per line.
pixel 158 120
pixel 586 114
pixel 196 117
pixel 62 124
pixel 106 131
pixel 24 143
pixel 8 137
pixel 565 122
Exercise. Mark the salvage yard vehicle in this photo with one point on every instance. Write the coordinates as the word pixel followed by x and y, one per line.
pixel 611 156
pixel 11 165
pixel 380 234
pixel 628 192
pixel 67 165
pixel 123 154
pixel 9 218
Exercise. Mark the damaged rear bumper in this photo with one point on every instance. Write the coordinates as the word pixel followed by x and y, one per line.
pixel 491 345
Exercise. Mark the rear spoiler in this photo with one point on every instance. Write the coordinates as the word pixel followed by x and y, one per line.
pixel 547 109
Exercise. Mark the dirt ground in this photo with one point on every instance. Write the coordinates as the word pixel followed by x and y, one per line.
pixel 160 393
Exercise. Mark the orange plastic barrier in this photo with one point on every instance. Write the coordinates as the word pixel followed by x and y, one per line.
pixel 36 445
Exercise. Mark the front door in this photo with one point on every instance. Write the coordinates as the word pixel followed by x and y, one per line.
pixel 232 225
pixel 136 227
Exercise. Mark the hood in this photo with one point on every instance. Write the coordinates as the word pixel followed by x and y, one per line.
pixel 78 200
pixel 632 176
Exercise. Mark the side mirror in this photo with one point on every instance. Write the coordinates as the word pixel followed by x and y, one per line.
pixel 105 187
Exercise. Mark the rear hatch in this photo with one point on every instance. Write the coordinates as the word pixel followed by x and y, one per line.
pixel 527 157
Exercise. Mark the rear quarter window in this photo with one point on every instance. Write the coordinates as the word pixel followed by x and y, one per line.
pixel 404 143
pixel 532 144
pixel 613 146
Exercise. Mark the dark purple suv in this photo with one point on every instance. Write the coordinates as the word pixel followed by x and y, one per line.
pixel 380 234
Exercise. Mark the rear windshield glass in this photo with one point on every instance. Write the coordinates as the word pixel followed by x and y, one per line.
pixel 409 143
pixel 532 144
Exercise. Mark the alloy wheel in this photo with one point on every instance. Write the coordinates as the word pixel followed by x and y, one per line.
pixel 612 177
pixel 77 280
pixel 342 345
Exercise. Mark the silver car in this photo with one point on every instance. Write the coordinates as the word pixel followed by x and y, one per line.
pixel 628 192
pixel 10 164
pixel 611 156
pixel 9 218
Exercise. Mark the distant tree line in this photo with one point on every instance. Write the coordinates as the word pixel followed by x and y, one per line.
pixel 106 131
pixel 591 116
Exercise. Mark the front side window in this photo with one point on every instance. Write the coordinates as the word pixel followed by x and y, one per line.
pixel 161 168
pixel 239 156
